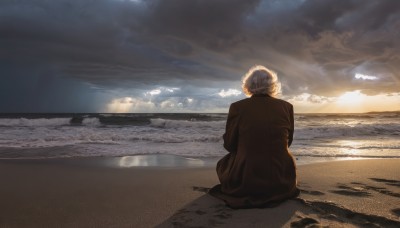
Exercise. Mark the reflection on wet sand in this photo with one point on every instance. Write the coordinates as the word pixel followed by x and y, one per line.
pixel 159 161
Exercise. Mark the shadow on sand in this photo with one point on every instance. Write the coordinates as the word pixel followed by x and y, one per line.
pixel 206 211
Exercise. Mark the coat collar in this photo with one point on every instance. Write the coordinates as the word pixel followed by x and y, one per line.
pixel 260 95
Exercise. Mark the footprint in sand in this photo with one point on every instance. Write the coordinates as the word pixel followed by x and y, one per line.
pixel 200 216
pixel 310 192
pixel 350 191
pixel 336 212
pixel 201 213
pixel 303 184
pixel 387 181
pixel 378 189
pixel 396 211
pixel 200 189
pixel 304 222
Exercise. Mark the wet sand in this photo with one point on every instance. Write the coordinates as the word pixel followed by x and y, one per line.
pixel 115 192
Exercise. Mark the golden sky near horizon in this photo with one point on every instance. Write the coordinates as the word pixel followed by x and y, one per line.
pixel 348 102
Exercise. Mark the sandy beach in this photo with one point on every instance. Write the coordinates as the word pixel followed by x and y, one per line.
pixel 108 192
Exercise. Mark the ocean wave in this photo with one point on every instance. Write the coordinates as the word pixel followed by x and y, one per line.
pixel 86 133
pixel 347 116
pixel 48 122
pixel 344 155
pixel 347 131
pixel 173 138
pixel 94 121
pixel 333 116
pixel 40 122
pixel 167 123
pixel 188 134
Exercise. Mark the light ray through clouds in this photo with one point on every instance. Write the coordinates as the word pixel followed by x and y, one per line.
pixel 189 56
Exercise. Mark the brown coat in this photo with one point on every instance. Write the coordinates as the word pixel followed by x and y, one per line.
pixel 259 169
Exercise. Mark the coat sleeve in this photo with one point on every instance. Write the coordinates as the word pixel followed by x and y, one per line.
pixel 232 130
pixel 291 130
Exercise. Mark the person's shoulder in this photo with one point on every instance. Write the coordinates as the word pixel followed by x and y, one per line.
pixel 283 102
pixel 239 105
pixel 240 102
pixel 248 101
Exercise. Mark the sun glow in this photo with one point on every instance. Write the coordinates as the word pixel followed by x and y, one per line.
pixel 129 104
pixel 348 102
pixel 120 105
pixel 351 98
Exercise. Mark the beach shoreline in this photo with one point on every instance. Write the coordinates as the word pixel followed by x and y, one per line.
pixel 89 192
pixel 142 160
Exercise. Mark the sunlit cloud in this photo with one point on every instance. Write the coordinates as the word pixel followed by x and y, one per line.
pixel 153 92
pixel 168 104
pixel 351 98
pixel 160 90
pixel 229 93
pixel 310 98
pixel 311 103
pixel 171 90
pixel 348 102
pixel 135 1
pixel 365 77
pixel 120 105
pixel 129 104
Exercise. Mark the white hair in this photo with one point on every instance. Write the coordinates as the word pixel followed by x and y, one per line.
pixel 261 80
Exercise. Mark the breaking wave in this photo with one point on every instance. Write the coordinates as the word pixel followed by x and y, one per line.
pixel 338 131
pixel 47 122
pixel 333 135
pixel 166 123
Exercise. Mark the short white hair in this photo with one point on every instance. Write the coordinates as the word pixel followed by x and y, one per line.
pixel 261 80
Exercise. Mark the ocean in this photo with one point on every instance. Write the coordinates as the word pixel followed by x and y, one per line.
pixel 198 135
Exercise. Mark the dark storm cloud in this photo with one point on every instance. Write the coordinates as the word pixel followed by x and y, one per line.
pixel 141 45
pixel 214 24
pixel 322 44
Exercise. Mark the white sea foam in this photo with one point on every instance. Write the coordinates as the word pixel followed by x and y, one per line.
pixel 345 130
pixel 91 121
pixel 193 138
pixel 165 123
pixel 40 122
pixel 70 135
pixel 45 122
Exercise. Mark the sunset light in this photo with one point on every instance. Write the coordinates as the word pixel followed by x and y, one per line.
pixel 158 53
pixel 121 105
pixel 156 113
pixel 351 98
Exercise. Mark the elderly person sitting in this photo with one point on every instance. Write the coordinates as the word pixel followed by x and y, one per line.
pixel 259 170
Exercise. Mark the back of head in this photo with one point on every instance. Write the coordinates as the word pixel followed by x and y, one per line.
pixel 261 80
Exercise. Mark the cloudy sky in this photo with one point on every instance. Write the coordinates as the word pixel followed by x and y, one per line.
pixel 190 55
